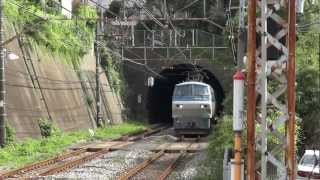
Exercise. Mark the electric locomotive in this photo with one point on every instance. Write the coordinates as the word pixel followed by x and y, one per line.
pixel 193 108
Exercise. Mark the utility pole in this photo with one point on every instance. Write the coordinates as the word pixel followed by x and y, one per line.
pixel 204 8
pixel 99 32
pixel 240 52
pixel 2 80
pixel 291 131
pixel 124 9
pixel 251 78
pixel 165 9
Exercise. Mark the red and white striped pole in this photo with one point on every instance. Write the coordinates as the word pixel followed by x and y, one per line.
pixel 238 93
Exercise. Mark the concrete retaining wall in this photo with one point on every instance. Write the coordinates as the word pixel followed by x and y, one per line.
pixel 64 95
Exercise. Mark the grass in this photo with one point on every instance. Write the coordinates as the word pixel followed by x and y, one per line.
pixel 31 150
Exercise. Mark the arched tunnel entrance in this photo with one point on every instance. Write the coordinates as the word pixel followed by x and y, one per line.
pixel 160 95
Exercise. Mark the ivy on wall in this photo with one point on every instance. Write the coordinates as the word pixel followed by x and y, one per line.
pixel 111 63
pixel 70 38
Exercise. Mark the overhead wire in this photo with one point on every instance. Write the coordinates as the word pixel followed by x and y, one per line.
pixel 126 59
pixel 187 6
pixel 231 31
pixel 46 88
pixel 51 81
pixel 43 19
pixel 26 9
pixel 76 107
pixel 308 24
pixel 50 88
pixel 149 14
pixel 147 67
pixel 175 30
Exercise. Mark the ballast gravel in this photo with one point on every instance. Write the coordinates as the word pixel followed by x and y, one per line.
pixel 112 164
pixel 108 166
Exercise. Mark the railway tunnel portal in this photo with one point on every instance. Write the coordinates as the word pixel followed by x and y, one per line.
pixel 159 96
pixel 170 63
pixel 153 104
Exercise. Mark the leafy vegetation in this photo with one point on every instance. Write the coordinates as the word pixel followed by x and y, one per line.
pixel 308 87
pixel 10 133
pixel 221 138
pixel 30 150
pixel 48 128
pixel 70 38
pixel 114 71
pixel 308 76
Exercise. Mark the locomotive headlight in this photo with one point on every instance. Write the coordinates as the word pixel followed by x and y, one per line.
pixel 179 106
pixel 202 106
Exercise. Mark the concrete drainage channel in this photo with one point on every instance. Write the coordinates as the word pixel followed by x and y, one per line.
pixel 152 154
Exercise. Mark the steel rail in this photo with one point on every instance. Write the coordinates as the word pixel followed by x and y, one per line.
pixel 71 164
pixel 74 163
pixel 175 162
pixel 136 169
pixel 45 163
pixel 140 167
pixel 148 132
pixel 40 164
pixel 139 135
pixel 171 166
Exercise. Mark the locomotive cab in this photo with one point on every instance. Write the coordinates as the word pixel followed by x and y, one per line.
pixel 193 107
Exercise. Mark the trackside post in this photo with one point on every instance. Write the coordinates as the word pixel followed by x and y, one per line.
pixel 238 93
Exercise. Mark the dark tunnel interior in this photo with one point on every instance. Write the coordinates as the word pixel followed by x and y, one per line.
pixel 160 95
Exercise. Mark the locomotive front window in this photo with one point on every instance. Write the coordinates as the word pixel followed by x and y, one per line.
pixel 191 92
pixel 200 92
pixel 183 93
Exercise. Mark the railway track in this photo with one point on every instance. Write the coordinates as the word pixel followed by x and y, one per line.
pixel 74 158
pixel 168 165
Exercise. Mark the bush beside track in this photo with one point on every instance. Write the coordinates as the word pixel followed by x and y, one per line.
pixel 221 138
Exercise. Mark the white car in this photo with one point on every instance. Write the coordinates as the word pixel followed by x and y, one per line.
pixel 309 167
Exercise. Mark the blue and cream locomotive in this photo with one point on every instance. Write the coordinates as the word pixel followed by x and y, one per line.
pixel 193 108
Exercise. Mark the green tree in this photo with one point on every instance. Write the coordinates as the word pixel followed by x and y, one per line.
pixel 308 78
